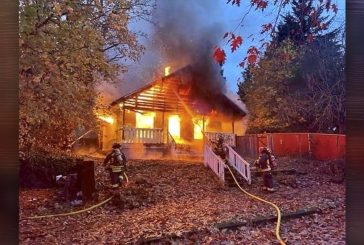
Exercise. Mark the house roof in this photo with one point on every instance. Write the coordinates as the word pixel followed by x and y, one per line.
pixel 177 92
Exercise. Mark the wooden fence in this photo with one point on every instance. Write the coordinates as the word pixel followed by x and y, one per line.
pixel 229 138
pixel 315 145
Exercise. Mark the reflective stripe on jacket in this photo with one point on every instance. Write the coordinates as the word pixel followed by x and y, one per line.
pixel 116 168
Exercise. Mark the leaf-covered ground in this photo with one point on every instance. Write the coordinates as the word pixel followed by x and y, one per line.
pixel 169 201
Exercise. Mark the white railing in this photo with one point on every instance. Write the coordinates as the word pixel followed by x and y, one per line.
pixel 214 162
pixel 171 144
pixel 229 138
pixel 142 135
pixel 240 165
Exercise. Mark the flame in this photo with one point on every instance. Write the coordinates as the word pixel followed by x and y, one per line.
pixel 145 120
pixel 174 126
pixel 105 118
pixel 198 128
pixel 167 70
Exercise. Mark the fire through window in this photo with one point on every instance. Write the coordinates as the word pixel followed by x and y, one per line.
pixel 174 126
pixel 197 129
pixel 145 119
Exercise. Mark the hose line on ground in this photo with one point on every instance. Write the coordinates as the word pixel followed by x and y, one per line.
pixel 76 212
pixel 265 201
pixel 70 213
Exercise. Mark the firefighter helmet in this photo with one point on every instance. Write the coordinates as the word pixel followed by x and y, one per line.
pixel 116 145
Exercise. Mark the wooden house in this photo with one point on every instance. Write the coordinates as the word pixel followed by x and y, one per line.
pixel 173 109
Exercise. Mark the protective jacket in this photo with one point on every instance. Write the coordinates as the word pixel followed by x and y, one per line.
pixel 263 162
pixel 117 160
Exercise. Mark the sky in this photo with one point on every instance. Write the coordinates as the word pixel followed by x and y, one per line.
pixel 228 18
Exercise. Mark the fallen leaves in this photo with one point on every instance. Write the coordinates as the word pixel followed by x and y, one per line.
pixel 181 201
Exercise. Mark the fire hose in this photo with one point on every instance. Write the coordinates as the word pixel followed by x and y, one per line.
pixel 79 211
pixel 265 201
pixel 236 182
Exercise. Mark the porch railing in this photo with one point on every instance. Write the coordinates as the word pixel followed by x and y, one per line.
pixel 142 135
pixel 240 165
pixel 171 144
pixel 216 164
pixel 229 138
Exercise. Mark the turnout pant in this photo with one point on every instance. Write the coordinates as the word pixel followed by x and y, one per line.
pixel 268 179
pixel 116 178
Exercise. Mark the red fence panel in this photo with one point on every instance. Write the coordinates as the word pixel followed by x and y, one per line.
pixel 327 147
pixel 247 145
pixel 319 146
pixel 286 144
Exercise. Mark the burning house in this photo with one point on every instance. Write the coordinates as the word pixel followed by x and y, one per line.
pixel 181 106
pixel 177 108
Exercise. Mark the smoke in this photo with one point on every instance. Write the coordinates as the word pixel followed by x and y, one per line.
pixel 186 34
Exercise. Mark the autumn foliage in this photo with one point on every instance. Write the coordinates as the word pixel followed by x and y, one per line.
pixel 66 49
pixel 297 81
pixel 261 5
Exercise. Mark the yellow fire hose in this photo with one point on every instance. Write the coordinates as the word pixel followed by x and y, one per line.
pixel 76 212
pixel 127 180
pixel 265 201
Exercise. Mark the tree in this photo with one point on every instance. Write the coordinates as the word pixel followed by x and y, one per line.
pixel 316 92
pixel 304 78
pixel 66 48
pixel 266 85
pixel 303 24
pixel 260 5
pixel 322 69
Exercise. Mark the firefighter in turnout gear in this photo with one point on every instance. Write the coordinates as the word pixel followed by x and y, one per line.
pixel 117 165
pixel 265 163
pixel 219 148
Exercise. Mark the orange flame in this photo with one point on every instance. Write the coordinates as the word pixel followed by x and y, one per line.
pixel 167 70
pixel 198 128
pixel 145 120
pixel 174 126
pixel 105 118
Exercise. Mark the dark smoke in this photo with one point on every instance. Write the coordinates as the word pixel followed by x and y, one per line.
pixel 186 34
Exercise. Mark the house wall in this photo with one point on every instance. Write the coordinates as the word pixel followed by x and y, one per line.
pixel 240 126
pixel 109 135
pixel 112 132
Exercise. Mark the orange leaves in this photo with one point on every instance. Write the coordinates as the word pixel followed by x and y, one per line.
pixel 266 27
pixel 219 56
pixel 252 59
pixel 261 4
pixel 236 42
pixel 252 55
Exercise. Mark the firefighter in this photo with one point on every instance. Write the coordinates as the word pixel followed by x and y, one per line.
pixel 219 148
pixel 265 164
pixel 117 165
